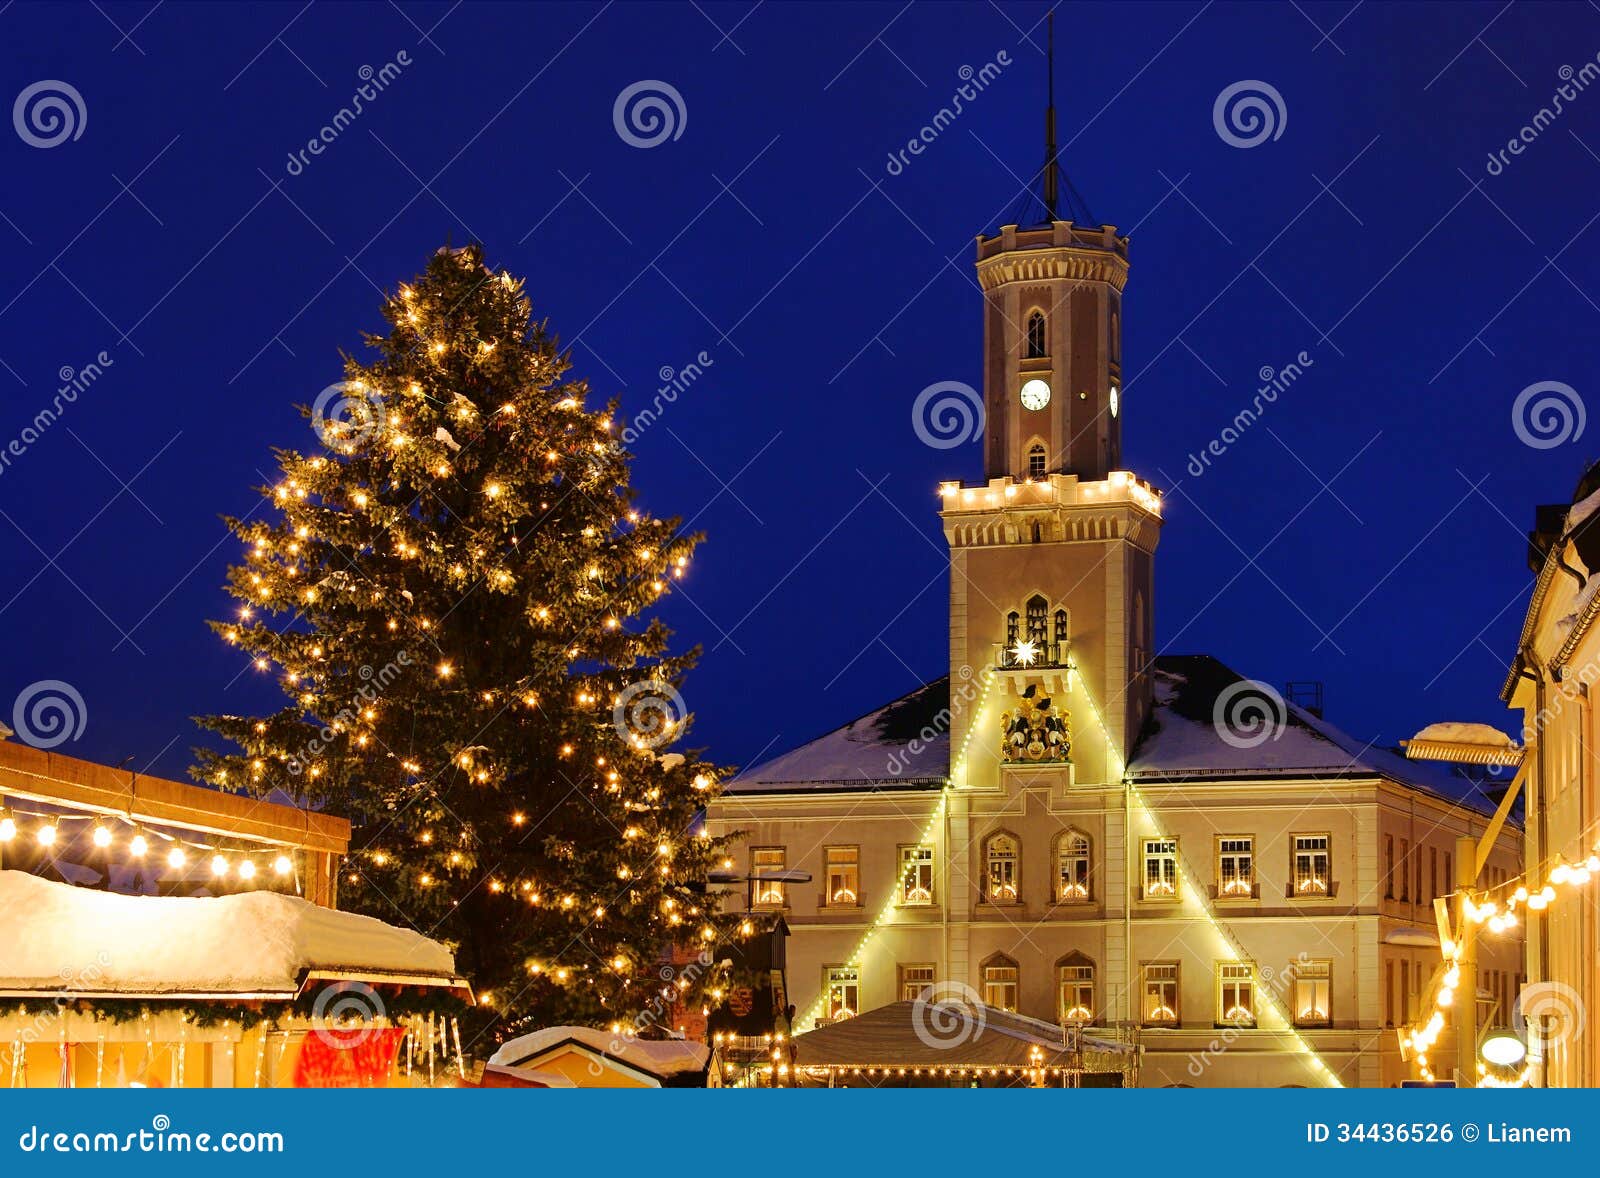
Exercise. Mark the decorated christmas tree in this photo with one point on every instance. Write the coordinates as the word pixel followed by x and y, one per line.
pixel 453 590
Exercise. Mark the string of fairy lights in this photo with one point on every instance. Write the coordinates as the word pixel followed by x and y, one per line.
pixel 111 835
pixel 1495 910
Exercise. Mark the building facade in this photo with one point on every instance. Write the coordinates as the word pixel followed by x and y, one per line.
pixel 1073 828
pixel 1551 684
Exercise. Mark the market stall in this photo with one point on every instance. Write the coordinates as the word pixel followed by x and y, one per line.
pixel 257 989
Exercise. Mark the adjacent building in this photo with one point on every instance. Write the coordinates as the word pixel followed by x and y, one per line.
pixel 1552 682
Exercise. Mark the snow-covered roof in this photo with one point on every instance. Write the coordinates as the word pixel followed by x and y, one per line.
pixel 1184 740
pixel 904 744
pixel 660 1058
pixel 55 937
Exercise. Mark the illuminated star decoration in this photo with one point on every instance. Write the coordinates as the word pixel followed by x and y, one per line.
pixel 1025 652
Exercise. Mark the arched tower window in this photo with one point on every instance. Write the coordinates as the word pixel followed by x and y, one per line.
pixel 1000 868
pixel 1012 621
pixel 1036 336
pixel 1062 637
pixel 1038 608
pixel 1036 461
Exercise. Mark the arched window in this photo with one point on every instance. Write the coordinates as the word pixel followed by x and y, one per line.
pixel 1075 989
pixel 1072 867
pixel 1038 608
pixel 1001 868
pixel 1116 338
pixel 1000 983
pixel 1037 461
pixel 1013 619
pixel 1036 336
pixel 1062 637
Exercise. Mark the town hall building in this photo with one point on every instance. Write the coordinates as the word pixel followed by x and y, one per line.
pixel 1077 827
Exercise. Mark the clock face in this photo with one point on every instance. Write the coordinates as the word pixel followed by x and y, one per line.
pixel 1035 394
pixel 1114 401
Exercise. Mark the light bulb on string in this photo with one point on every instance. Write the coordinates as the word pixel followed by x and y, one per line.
pixel 46 835
pixel 176 858
pixel 219 866
pixel 138 845
pixel 8 827
pixel 102 836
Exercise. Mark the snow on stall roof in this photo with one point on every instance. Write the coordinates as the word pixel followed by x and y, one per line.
pixel 57 937
pixel 905 743
pixel 657 1057
pixel 1464 732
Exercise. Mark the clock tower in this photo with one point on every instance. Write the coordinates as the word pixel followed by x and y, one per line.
pixel 1052 368
pixel 1053 555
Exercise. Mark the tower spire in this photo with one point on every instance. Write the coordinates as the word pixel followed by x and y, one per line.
pixel 1050 171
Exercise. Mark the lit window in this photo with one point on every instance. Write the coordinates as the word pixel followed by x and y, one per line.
pixel 916 875
pixel 1160 869
pixel 1236 994
pixel 843 876
pixel 1236 868
pixel 1312 872
pixel 1072 867
pixel 1036 336
pixel 1000 868
pixel 1161 993
pixel 841 986
pixel 1000 985
pixel 1313 993
pixel 766 862
pixel 1037 461
pixel 915 980
pixel 1077 993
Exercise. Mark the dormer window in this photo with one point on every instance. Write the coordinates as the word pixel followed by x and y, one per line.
pixel 1036 461
pixel 1036 336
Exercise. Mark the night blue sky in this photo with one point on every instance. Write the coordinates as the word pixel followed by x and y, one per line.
pixel 1367 531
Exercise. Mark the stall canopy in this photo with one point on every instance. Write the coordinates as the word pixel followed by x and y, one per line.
pixel 592 1058
pixel 954 1035
pixel 57 939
